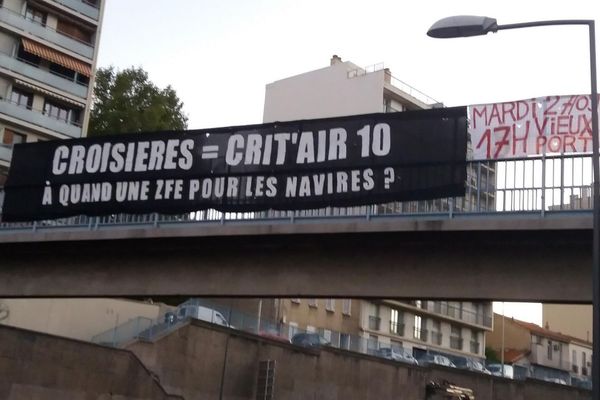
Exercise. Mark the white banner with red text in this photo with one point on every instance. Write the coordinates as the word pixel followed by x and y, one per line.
pixel 533 127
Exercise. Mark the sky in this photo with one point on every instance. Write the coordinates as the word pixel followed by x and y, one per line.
pixel 219 55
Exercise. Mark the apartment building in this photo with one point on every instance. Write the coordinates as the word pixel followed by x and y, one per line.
pixel 541 353
pixel 453 328
pixel 344 88
pixel 48 52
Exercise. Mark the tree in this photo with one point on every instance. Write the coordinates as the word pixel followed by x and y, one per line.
pixel 127 101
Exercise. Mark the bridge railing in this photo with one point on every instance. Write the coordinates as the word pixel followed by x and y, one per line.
pixel 526 185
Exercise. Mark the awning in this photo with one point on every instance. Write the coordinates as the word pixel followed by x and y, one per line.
pixel 56 57
pixel 45 92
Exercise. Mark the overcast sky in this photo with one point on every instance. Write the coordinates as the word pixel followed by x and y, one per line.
pixel 219 55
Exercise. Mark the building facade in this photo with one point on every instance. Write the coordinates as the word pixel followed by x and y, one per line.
pixel 541 353
pixel 48 52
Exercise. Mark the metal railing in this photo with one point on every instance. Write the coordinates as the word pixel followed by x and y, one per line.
pixel 397 328
pixel 374 323
pixel 531 186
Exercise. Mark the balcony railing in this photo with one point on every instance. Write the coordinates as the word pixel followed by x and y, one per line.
pixel 29 70
pixel 36 117
pixel 436 338
pixel 374 323
pixel 82 7
pixel 456 343
pixel 397 328
pixel 461 314
pixel 420 334
pixel 19 21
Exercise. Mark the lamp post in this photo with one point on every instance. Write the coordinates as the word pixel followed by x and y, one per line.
pixel 467 25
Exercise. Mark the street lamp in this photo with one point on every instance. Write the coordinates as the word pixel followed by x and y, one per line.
pixel 469 25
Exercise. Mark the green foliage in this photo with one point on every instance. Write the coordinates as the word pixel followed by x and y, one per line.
pixel 491 355
pixel 127 101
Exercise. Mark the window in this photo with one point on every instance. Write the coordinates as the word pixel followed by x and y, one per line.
pixel 344 341
pixel 584 369
pixel 74 31
pixel 10 137
pixel 21 98
pixel 312 303
pixel 346 306
pixel 330 305
pixel 436 332
pixel 327 335
pixel 419 328
pixel 456 341
pixel 549 350
pixel 397 322
pixel 56 111
pixel 35 15
pixel 372 344
pixel 292 329
pixel 474 341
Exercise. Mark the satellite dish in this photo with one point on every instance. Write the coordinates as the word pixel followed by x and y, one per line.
pixel 4 312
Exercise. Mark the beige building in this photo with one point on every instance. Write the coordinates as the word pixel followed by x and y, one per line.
pixel 74 318
pixel 570 319
pixel 48 52
pixel 541 353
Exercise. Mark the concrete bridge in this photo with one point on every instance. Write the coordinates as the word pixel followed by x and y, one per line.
pixel 509 256
pixel 523 231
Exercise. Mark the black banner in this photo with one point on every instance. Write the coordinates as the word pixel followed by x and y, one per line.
pixel 347 161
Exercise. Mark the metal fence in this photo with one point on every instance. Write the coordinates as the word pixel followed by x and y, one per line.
pixel 537 185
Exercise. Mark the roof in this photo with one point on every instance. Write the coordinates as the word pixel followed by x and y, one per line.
pixel 514 355
pixel 538 330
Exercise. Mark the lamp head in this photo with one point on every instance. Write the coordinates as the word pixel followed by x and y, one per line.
pixel 462 26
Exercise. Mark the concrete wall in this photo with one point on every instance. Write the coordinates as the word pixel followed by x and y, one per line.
pixel 199 360
pixel 324 93
pixel 43 367
pixel 74 318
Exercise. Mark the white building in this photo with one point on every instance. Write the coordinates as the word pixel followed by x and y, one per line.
pixel 343 88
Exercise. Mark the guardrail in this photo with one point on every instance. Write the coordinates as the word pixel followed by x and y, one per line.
pixel 528 185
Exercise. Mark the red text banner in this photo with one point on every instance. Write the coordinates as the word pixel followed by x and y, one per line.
pixel 543 125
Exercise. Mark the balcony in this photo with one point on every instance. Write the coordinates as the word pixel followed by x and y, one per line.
pixel 456 343
pixel 36 117
pixel 19 21
pixel 82 7
pixel 374 323
pixel 468 316
pixel 32 71
pixel 5 152
pixel 420 334
pixel 397 328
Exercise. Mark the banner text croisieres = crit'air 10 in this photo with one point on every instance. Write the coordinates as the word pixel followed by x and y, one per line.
pixel 346 161
pixel 543 125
